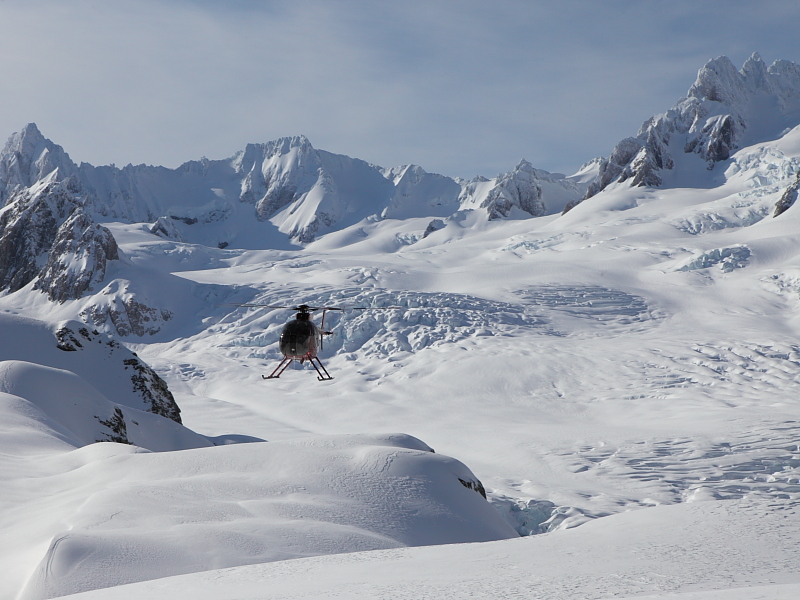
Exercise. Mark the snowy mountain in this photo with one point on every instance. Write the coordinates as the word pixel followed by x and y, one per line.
pixel 723 111
pixel 620 379
pixel 95 516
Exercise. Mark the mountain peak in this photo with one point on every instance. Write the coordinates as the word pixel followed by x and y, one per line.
pixel 524 165
pixel 717 81
pixel 724 110
pixel 755 73
pixel 29 157
pixel 25 141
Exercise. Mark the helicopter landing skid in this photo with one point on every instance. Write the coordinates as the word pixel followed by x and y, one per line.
pixel 326 376
pixel 279 369
pixel 322 372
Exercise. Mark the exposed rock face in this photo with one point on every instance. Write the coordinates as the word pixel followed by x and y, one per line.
pixel 519 188
pixel 475 485
pixel 29 226
pixel 77 259
pixel 723 109
pixel 165 227
pixel 788 198
pixel 117 306
pixel 46 223
pixel 153 390
pixel 146 385
pixel 117 426
pixel 434 225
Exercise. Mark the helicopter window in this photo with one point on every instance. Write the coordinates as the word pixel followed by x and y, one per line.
pixel 298 329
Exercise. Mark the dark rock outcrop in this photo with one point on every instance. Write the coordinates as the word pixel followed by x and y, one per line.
pixel 153 389
pixel 47 223
pixel 145 382
pixel 28 228
pixel 475 485
pixel 125 314
pixel 77 259
pixel 788 198
pixel 117 426
pixel 434 225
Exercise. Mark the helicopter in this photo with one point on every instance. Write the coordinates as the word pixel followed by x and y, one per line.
pixel 301 338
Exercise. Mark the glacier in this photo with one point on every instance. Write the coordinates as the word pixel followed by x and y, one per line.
pixel 611 357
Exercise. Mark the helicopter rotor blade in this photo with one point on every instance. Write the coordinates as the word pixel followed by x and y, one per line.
pixel 374 308
pixel 305 307
pixel 262 306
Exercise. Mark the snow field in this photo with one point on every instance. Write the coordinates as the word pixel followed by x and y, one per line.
pixel 736 550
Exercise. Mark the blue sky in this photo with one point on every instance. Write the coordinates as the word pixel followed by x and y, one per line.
pixel 459 87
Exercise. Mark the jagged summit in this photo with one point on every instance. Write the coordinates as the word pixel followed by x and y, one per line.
pixel 725 109
pixel 29 157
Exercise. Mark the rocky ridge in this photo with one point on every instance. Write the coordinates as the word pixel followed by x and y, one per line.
pixel 47 223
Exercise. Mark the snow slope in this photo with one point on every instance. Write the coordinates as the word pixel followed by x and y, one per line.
pixel 703 551
pixel 114 515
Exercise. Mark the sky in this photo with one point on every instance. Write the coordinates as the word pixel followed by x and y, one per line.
pixel 459 87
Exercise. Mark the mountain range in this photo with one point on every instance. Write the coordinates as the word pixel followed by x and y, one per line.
pixel 286 193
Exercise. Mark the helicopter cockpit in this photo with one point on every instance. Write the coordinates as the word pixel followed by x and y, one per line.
pixel 298 337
